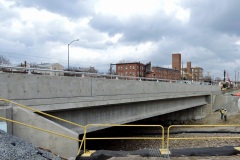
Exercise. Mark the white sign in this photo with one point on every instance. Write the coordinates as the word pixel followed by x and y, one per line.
pixel 3 126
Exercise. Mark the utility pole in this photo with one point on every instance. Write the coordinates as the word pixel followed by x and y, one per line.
pixel 139 69
pixel 235 78
pixel 68 50
pixel 224 76
pixel 182 70
pixel 110 70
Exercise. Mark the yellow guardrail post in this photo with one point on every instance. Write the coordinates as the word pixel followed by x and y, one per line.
pixel 85 133
pixel 163 151
pixel 82 142
pixel 168 136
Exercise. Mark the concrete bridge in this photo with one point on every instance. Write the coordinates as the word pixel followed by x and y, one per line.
pixel 94 100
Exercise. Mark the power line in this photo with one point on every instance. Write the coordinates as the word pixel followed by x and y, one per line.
pixel 15 55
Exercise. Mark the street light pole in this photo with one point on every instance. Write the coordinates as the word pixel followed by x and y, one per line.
pixel 68 50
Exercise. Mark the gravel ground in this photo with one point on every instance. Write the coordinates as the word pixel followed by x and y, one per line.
pixel 14 148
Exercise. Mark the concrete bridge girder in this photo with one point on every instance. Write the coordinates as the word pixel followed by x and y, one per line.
pixel 129 112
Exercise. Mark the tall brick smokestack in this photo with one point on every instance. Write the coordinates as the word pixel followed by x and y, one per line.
pixel 176 61
pixel 189 67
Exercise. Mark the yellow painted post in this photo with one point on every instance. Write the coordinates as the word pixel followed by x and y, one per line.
pixel 162 137
pixel 85 137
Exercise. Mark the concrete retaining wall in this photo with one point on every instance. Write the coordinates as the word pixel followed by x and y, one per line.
pixel 58 145
pixel 227 101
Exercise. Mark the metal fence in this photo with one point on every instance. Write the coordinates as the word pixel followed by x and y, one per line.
pixel 27 70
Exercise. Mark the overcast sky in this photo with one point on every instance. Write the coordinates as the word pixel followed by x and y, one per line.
pixel 205 32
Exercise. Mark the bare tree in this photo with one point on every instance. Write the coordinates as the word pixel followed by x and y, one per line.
pixel 4 61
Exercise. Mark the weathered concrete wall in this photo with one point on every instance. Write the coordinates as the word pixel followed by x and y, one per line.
pixel 226 101
pixel 58 145
pixel 24 86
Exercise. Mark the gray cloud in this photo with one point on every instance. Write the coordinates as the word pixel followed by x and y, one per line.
pixel 72 8
pixel 208 39
pixel 138 29
pixel 221 15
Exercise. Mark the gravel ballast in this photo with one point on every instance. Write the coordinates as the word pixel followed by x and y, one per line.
pixel 14 148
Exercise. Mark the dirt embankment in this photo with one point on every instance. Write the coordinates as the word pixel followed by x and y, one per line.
pixel 229 102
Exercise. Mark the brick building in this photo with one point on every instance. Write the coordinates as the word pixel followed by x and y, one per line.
pixel 197 73
pixel 134 69
pixel 192 73
pixel 164 73
pixel 137 69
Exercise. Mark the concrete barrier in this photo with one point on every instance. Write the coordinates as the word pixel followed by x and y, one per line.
pixel 58 145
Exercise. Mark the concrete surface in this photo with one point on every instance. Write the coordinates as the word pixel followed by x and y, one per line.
pixel 37 90
pixel 58 145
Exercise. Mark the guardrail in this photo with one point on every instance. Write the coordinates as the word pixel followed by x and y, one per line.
pixel 199 138
pixel 41 129
pixel 160 138
pixel 98 75
pixel 124 138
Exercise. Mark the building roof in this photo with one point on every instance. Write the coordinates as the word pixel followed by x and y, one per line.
pixel 46 65
pixel 129 63
pixel 164 68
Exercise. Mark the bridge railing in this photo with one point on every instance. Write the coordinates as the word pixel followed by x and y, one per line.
pixel 94 75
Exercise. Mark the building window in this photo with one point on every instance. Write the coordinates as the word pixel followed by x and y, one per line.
pixel 133 67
